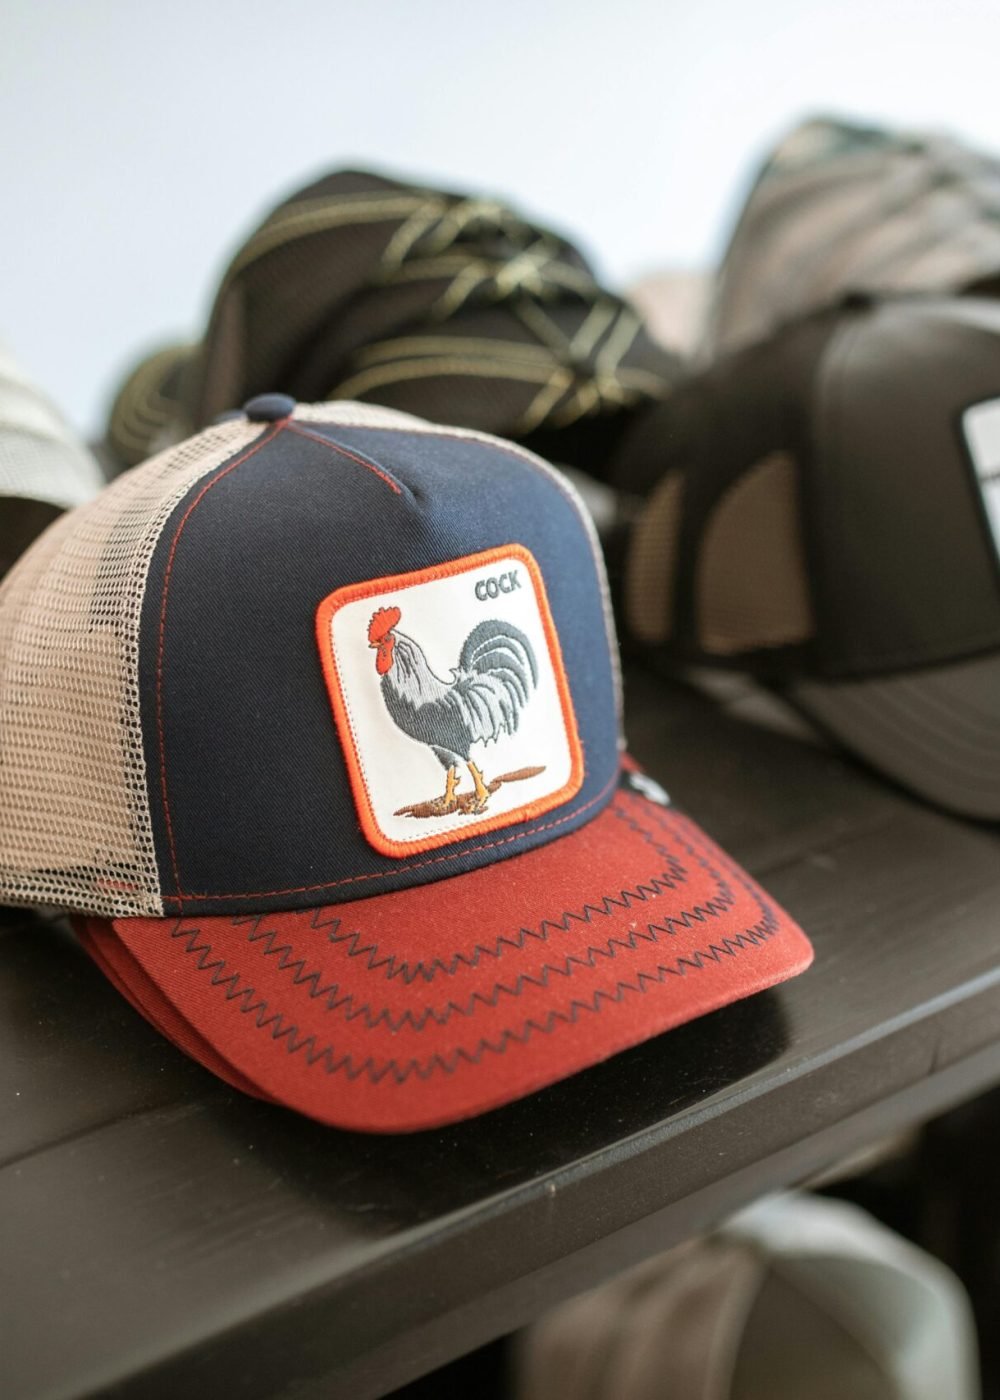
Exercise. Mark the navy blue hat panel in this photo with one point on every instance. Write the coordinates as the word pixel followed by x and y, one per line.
pixel 249 790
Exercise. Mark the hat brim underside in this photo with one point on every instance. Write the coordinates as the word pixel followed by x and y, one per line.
pixel 935 731
pixel 421 1008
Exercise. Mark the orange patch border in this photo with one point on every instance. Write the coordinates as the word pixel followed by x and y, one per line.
pixel 375 588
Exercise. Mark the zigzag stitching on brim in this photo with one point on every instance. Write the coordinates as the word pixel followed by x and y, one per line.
pixel 289 960
pixel 416 1021
pixel 357 948
pixel 331 993
pixel 282 1029
pixel 669 879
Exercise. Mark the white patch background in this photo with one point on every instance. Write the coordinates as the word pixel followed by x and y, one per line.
pixel 982 432
pixel 438 615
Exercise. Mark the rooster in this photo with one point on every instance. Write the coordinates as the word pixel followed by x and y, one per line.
pixel 494 680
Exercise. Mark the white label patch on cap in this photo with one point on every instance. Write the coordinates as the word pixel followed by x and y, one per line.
pixel 450 700
pixel 982 433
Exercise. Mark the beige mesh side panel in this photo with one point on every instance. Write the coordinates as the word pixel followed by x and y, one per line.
pixel 75 826
pixel 362 415
pixel 652 562
pixel 752 589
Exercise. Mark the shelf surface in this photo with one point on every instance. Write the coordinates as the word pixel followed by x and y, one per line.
pixel 162 1235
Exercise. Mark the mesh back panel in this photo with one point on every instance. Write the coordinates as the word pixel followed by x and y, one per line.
pixel 752 585
pixel 649 581
pixel 74 813
pixel 46 469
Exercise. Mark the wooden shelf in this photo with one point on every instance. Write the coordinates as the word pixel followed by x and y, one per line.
pixel 162 1233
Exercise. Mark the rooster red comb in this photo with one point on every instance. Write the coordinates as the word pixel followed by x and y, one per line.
pixel 382 622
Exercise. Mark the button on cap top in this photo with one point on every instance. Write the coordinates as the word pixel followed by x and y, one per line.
pixel 268 408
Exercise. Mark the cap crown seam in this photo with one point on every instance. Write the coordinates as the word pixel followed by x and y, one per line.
pixel 161 640
pixel 385 476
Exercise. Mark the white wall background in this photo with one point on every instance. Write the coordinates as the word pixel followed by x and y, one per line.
pixel 141 141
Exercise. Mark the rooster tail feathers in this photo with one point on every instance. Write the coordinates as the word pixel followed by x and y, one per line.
pixel 494 680
pixel 494 646
pixel 498 673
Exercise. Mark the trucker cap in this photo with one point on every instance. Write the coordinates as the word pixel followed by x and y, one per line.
pixel 314 722
pixel 44 468
pixel 841 207
pixel 453 306
pixel 823 510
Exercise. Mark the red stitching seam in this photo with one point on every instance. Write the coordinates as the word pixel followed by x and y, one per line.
pixel 261 442
pixel 336 447
pixel 400 869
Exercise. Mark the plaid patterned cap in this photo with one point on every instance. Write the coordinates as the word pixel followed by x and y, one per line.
pixel 450 306
pixel 839 208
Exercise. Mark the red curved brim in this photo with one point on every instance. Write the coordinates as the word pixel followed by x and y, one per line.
pixel 121 969
pixel 420 1008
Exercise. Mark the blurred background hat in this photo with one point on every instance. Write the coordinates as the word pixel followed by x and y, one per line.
pixel 822 510
pixel 449 306
pixel 44 468
pixel 841 207
pixel 794 1298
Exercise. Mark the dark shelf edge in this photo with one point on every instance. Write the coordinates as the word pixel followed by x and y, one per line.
pixel 806 1131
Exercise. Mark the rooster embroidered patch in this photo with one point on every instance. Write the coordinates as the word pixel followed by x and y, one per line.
pixel 450 699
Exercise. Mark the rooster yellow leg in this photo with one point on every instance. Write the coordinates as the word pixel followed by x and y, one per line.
pixel 482 791
pixel 449 790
